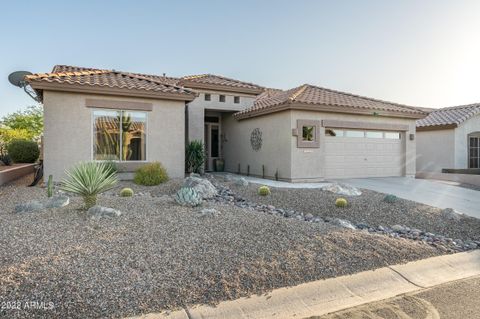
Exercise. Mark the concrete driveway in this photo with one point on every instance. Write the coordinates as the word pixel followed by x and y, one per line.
pixel 427 192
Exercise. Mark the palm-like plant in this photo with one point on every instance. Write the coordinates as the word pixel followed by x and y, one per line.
pixel 88 180
pixel 195 156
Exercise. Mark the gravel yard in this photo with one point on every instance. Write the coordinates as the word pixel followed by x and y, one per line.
pixel 159 255
pixel 368 208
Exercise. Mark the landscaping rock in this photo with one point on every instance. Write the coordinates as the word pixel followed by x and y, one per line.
pixel 208 212
pixel 203 186
pixel 29 207
pixel 342 189
pixel 57 201
pixel 308 217
pixel 100 211
pixel 451 214
pixel 343 223
pixel 241 182
pixel 398 228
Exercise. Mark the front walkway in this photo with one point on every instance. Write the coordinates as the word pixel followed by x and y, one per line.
pixel 427 192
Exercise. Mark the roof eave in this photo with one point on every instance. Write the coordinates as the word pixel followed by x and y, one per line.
pixel 436 127
pixel 76 88
pixel 217 87
pixel 328 109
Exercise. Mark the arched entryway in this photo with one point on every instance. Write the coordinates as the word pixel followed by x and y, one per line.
pixel 474 150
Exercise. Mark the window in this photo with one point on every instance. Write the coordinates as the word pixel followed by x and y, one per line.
pixel 119 135
pixel 308 133
pixel 236 99
pixel 392 135
pixel 208 97
pixel 354 133
pixel 221 98
pixel 334 132
pixel 374 134
pixel 474 152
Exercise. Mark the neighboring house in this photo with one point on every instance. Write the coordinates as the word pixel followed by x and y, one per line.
pixel 449 138
pixel 303 134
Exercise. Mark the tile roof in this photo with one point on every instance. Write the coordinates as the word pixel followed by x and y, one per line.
pixel 312 95
pixel 449 116
pixel 185 81
pixel 88 77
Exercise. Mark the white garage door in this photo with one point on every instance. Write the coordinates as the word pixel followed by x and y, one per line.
pixel 363 153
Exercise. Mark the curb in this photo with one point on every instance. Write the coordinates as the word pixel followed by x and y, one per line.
pixel 325 296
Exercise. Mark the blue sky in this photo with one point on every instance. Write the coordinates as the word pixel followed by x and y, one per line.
pixel 424 53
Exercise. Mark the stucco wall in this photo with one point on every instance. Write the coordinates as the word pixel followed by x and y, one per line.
pixel 471 125
pixel 275 151
pixel 68 134
pixel 435 150
pixel 308 163
pixel 196 109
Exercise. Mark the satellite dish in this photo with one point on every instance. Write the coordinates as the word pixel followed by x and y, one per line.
pixel 18 78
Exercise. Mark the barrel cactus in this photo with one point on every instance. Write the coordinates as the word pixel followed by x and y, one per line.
pixel 188 196
pixel 263 190
pixel 341 202
pixel 126 192
pixel 390 198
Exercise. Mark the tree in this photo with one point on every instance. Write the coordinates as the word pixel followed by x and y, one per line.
pixel 30 120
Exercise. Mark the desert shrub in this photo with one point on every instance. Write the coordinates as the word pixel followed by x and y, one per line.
pixel 88 180
pixel 111 167
pixel 341 202
pixel 50 186
pixel 188 196
pixel 23 151
pixel 126 192
pixel 151 174
pixel 195 156
pixel 6 159
pixel 390 198
pixel 263 190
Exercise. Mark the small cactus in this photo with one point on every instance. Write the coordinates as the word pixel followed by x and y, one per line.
pixel 188 196
pixel 341 202
pixel 390 198
pixel 126 192
pixel 276 175
pixel 50 186
pixel 263 171
pixel 248 170
pixel 264 191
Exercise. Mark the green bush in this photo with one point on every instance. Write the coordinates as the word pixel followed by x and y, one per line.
pixel 23 151
pixel 195 156
pixel 151 174
pixel 263 190
pixel 341 202
pixel 390 198
pixel 88 180
pixel 6 159
pixel 126 192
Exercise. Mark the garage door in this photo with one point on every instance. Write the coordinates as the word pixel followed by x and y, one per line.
pixel 363 153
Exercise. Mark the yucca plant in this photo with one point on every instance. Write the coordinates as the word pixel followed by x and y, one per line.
pixel 195 156
pixel 89 179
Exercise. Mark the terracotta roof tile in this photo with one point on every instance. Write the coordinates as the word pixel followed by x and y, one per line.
pixel 314 95
pixel 454 115
pixel 218 80
pixel 107 78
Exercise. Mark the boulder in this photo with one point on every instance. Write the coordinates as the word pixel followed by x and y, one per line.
pixel 451 214
pixel 57 201
pixel 29 207
pixel 100 211
pixel 343 223
pixel 342 189
pixel 201 185
pixel 241 182
pixel 208 212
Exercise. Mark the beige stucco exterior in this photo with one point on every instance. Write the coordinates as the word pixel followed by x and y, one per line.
pixel 280 150
pixel 68 134
pixel 445 148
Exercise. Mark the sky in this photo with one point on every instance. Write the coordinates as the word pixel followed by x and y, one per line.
pixel 420 53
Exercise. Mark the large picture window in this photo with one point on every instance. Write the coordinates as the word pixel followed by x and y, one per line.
pixel 119 135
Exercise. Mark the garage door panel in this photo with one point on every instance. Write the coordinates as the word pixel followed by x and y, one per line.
pixel 363 157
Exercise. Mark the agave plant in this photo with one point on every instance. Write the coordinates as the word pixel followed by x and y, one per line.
pixel 88 180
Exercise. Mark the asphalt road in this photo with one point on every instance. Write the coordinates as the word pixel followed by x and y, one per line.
pixel 455 300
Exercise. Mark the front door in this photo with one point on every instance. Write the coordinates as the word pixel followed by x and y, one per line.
pixel 212 144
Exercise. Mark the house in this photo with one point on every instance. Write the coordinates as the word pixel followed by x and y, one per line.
pixel 306 133
pixel 449 138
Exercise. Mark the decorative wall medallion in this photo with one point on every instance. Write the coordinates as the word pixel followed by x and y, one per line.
pixel 256 139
